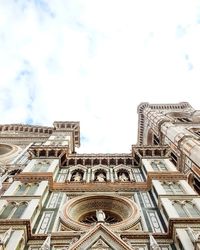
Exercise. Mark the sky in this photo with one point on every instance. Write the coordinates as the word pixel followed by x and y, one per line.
pixel 95 61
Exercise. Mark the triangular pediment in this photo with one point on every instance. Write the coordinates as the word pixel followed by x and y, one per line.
pixel 100 244
pixel 100 238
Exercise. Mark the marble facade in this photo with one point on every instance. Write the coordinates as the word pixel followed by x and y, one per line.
pixel 54 198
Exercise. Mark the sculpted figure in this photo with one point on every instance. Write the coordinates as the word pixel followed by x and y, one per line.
pixel 77 177
pixel 100 215
pixel 123 177
pixel 101 177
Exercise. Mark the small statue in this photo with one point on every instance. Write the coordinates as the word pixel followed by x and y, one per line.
pixel 77 177
pixel 100 215
pixel 101 177
pixel 123 177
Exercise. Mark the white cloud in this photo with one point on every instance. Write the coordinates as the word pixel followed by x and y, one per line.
pixel 95 61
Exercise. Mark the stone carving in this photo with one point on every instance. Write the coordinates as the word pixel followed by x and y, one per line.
pixel 100 215
pixel 100 245
pixel 101 177
pixel 77 177
pixel 123 177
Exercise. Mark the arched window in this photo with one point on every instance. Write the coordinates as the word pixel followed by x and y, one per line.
pixel 27 189
pixel 192 209
pixel 154 166
pixel 80 161
pixel 41 166
pixel 158 165
pixel 96 161
pixel 8 210
pixel 32 188
pixel 88 162
pixel 21 189
pixel 20 210
pixel 186 209
pixel 172 188
pixel 180 209
pixel 71 162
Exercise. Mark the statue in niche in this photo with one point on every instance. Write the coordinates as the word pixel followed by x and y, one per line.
pixel 100 215
pixel 77 177
pixel 123 177
pixel 101 177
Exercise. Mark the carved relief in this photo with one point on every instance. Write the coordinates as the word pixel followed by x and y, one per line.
pixel 77 176
pixel 100 176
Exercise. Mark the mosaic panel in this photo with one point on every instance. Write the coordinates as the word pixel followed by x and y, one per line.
pixel 45 222
pixel 62 175
pixel 155 221
pixel 53 201
pixel 147 201
pixel 138 175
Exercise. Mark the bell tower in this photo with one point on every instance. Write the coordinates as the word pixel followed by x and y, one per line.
pixel 175 125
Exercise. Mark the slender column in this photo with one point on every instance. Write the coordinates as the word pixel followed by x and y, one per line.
pixel 107 175
pixel 131 176
pixel 85 175
pixel 88 174
pixel 92 175
pixel 111 175
pixel 69 175
pixel 115 175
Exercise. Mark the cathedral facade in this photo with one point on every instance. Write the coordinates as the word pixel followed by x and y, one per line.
pixel 52 197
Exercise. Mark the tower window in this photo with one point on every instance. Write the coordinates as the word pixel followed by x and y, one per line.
pixel 174 158
pixel 184 119
pixel 197 132
pixel 156 140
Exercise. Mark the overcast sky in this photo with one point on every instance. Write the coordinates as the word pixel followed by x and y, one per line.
pixel 94 61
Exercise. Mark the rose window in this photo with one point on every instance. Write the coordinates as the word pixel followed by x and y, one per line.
pixel 80 213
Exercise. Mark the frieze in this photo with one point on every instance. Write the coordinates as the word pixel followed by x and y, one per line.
pixel 103 186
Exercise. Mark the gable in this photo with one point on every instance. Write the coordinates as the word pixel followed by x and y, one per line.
pixel 100 238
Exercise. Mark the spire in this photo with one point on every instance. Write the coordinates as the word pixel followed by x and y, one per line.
pixel 47 243
pixel 153 243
